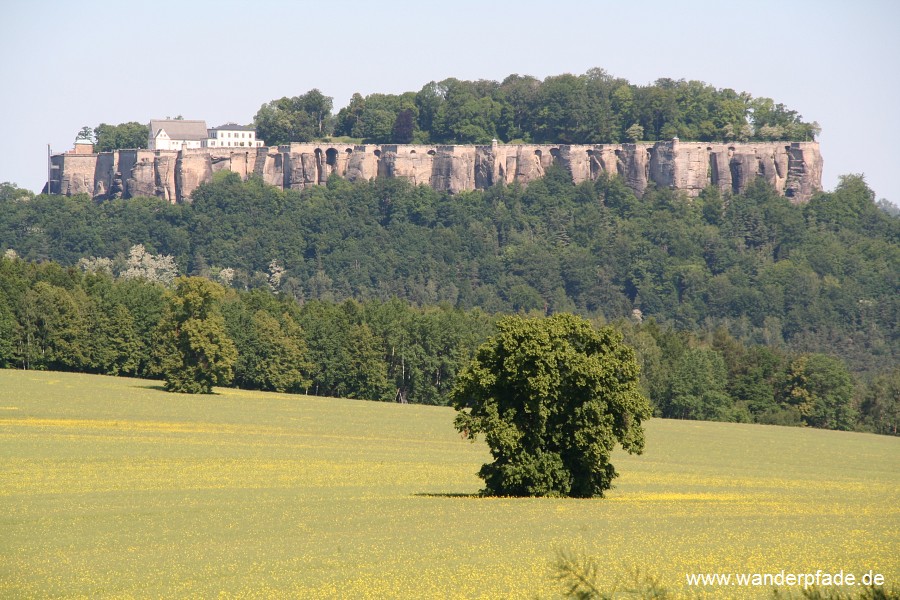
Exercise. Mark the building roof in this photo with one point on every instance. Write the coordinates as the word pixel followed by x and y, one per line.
pixel 233 127
pixel 179 129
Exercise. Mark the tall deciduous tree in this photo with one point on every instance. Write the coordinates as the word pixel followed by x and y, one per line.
pixel 404 127
pixel 8 333
pixel 54 332
pixel 880 405
pixel 553 397
pixel 697 388
pixel 364 373
pixel 85 134
pixel 820 387
pixel 194 352
pixel 274 357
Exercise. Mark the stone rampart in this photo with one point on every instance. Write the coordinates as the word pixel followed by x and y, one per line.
pixel 792 168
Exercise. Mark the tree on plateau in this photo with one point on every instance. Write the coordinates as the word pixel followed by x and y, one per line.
pixel 552 396
pixel 193 350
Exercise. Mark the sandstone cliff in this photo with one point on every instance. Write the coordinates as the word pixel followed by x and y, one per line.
pixel 792 168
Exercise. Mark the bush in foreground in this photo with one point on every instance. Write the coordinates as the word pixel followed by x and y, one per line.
pixel 553 396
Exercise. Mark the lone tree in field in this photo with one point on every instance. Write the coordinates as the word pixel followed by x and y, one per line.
pixel 552 397
pixel 193 351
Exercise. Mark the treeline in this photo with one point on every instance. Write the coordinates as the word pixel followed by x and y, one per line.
pixel 822 277
pixel 577 109
pixel 715 377
pixel 68 319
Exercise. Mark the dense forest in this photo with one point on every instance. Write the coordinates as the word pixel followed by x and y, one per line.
pixel 570 109
pixel 741 307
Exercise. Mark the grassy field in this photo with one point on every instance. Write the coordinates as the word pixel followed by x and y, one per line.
pixel 113 488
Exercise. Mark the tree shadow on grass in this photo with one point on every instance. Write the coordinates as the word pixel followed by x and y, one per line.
pixel 162 388
pixel 448 495
pixel 158 388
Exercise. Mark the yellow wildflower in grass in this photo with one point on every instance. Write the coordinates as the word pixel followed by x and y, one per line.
pixel 112 488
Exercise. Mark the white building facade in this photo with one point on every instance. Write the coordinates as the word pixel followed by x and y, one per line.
pixel 177 134
pixel 231 135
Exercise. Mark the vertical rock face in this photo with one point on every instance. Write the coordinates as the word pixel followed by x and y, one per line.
pixel 140 177
pixel 191 169
pixel 633 164
pixel 165 177
pixel 794 169
pixel 453 169
pixel 804 171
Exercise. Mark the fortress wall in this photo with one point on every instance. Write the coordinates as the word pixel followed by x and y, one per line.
pixel 127 162
pixel 407 162
pixel 75 174
pixel 792 168
pixel 105 173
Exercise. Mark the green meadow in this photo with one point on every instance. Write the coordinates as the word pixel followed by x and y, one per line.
pixel 113 488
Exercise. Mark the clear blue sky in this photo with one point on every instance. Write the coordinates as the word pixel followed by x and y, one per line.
pixel 66 64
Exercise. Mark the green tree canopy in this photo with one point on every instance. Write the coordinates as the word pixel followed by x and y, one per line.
pixel 881 403
pixel 122 136
pixel 297 119
pixel 553 396
pixel 194 352
pixel 86 134
pixel 821 389
pixel 697 386
pixel 273 356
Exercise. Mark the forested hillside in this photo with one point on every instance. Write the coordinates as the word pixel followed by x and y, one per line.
pixel 734 303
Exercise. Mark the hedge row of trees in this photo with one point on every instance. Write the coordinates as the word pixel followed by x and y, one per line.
pixel 591 108
pixel 78 320
pixel 71 319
